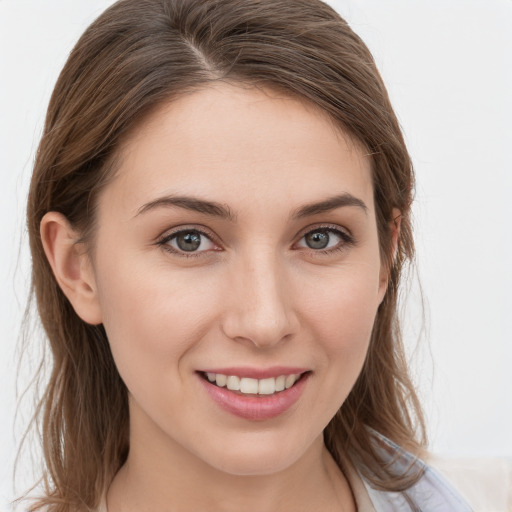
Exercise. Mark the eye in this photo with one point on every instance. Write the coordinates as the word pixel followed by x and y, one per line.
pixel 187 241
pixel 326 239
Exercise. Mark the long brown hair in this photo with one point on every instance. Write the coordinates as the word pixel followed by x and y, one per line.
pixel 135 56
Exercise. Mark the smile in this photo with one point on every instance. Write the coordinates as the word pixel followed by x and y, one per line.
pixel 249 386
pixel 253 398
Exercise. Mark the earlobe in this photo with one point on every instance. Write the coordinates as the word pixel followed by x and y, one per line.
pixel 394 226
pixel 71 266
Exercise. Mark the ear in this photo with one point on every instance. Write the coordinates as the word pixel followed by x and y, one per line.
pixel 394 226
pixel 71 266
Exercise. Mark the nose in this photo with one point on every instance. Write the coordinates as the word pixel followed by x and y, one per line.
pixel 260 311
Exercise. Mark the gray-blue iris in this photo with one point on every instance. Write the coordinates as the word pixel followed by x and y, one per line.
pixel 317 239
pixel 188 241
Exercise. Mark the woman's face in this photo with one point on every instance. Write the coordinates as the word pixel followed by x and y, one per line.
pixel 238 239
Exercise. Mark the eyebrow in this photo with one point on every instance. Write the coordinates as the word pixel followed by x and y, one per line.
pixel 215 209
pixel 194 204
pixel 329 204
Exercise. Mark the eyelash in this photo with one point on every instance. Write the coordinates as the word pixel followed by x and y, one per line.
pixel 347 241
pixel 164 242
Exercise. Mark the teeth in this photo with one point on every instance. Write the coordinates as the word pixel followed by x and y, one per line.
pixel 280 383
pixel 233 383
pixel 249 385
pixel 290 381
pixel 220 380
pixel 267 386
pixel 254 386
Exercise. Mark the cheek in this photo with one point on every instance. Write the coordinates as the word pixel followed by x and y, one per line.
pixel 152 318
pixel 338 313
pixel 344 309
pixel 341 319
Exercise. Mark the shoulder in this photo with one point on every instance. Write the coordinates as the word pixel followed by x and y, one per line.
pixel 431 493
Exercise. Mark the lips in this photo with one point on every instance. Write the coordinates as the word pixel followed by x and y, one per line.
pixel 255 394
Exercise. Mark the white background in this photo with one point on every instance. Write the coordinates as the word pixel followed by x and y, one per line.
pixel 448 67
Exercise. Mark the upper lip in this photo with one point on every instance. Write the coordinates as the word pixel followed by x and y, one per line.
pixel 256 373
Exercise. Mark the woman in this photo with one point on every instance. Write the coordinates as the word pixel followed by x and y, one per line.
pixel 219 215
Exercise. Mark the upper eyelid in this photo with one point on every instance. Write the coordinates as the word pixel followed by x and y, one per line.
pixel 207 232
pixel 164 239
pixel 325 226
pixel 169 233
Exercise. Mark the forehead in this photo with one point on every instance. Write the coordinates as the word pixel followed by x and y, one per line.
pixel 242 145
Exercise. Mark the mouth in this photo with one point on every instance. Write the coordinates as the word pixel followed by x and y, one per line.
pixel 253 387
pixel 255 399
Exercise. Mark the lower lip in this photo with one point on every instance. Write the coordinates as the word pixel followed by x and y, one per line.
pixel 261 407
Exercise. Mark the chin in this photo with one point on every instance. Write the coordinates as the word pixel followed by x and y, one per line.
pixel 258 457
pixel 239 465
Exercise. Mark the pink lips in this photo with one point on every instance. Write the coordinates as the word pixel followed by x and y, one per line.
pixel 261 407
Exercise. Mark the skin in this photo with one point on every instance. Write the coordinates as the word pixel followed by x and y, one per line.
pixel 255 294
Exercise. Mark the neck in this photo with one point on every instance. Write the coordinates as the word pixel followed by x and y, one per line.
pixel 162 475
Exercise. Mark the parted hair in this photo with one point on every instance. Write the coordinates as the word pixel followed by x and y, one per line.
pixel 136 56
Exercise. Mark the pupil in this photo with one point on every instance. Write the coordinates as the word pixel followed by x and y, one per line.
pixel 317 240
pixel 189 241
